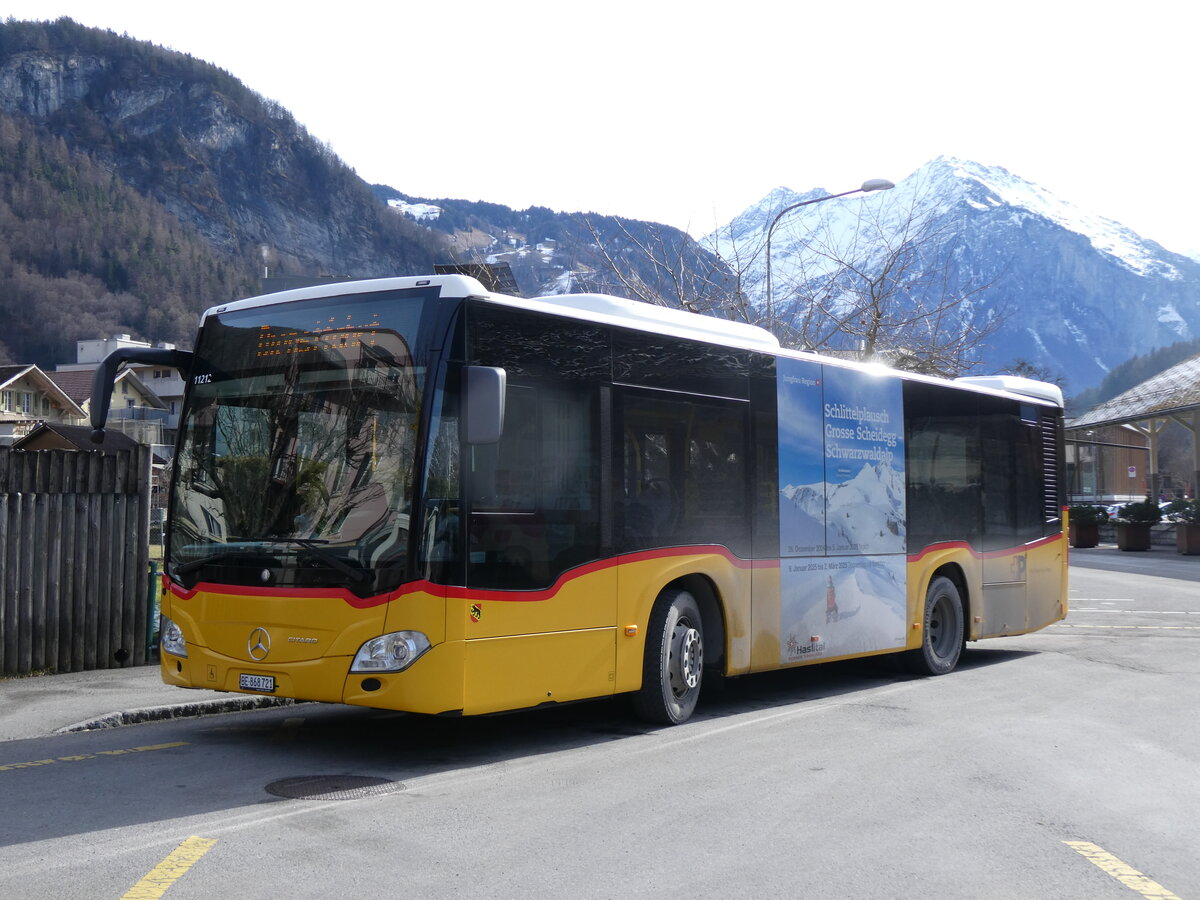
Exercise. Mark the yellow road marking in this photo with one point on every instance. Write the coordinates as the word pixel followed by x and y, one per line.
pixel 1124 873
pixel 98 753
pixel 156 882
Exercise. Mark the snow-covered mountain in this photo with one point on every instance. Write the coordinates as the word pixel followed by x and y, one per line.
pixel 864 513
pixel 1075 293
pixel 867 511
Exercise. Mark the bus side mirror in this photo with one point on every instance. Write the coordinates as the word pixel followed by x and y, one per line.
pixel 106 377
pixel 483 404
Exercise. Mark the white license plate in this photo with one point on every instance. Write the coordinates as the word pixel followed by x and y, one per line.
pixel 257 683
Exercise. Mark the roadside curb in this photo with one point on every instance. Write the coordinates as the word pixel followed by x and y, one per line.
pixel 175 711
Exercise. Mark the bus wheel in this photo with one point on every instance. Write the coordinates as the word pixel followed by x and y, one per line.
pixel 942 631
pixel 674 660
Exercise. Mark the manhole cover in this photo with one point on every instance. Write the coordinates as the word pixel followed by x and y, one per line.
pixel 333 787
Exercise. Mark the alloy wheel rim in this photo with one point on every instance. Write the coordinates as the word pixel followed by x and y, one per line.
pixel 687 658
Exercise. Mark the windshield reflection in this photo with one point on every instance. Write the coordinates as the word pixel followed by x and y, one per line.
pixel 298 446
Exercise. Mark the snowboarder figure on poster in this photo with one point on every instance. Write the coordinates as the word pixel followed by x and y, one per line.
pixel 831 607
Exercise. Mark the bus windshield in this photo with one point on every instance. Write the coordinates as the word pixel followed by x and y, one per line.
pixel 298 444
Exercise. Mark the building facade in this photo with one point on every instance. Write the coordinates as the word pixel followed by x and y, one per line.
pixel 29 397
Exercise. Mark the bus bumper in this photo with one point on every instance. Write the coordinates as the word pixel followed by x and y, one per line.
pixel 433 684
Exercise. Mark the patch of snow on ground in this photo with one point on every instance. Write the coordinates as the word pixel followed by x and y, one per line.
pixel 422 212
pixel 1168 315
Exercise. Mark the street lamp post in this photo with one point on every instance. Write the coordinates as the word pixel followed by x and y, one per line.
pixel 874 184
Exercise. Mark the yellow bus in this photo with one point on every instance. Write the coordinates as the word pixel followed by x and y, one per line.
pixel 413 494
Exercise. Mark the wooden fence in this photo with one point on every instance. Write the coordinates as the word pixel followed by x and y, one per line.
pixel 74 532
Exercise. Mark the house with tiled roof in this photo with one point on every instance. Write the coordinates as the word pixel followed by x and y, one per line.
pixel 28 397
pixel 135 409
pixel 146 399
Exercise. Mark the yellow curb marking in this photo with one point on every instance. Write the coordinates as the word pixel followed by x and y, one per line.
pixel 156 882
pixel 98 753
pixel 1124 873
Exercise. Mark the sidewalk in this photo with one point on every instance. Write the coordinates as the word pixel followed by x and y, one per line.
pixel 77 701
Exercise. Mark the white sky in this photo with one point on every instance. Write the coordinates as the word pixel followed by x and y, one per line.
pixel 687 113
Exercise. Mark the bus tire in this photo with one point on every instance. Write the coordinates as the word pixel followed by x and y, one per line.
pixel 674 661
pixel 943 630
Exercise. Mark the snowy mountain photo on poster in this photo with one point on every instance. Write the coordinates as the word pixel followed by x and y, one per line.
pixel 864 462
pixel 801 458
pixel 842 505
pixel 841 461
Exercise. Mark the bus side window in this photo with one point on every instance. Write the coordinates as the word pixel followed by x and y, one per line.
pixel 534 494
pixel 684 472
pixel 943 465
pixel 1012 481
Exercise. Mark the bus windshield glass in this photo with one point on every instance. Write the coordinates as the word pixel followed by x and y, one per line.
pixel 298 444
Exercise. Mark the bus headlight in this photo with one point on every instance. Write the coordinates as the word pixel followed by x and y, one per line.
pixel 172 637
pixel 393 652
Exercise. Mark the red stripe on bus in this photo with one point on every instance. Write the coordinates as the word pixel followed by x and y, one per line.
pixel 250 591
pixel 461 593
pixel 619 560
pixel 978 554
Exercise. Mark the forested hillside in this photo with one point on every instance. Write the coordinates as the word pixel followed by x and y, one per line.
pixel 139 186
pixel 82 254
pixel 1133 372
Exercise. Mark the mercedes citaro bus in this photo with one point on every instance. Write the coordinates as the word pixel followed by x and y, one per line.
pixel 413 494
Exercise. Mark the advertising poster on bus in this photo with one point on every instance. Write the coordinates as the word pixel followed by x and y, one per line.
pixel 842 512
pixel 801 458
pixel 864 463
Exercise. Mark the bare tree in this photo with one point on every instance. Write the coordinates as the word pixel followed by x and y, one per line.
pixel 661 265
pixel 1025 369
pixel 669 268
pixel 889 289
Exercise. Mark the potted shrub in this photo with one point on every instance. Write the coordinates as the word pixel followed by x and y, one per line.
pixel 1085 521
pixel 1133 524
pixel 1186 516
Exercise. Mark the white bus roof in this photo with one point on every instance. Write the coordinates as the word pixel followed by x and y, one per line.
pixel 589 307
pixel 1013 384
pixel 605 309
pixel 451 285
pixel 648 317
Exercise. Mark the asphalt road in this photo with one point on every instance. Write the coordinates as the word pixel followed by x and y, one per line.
pixel 1060 764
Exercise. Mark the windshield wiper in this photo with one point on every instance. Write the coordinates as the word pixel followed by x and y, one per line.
pixel 260 556
pixel 358 576
pixel 244 553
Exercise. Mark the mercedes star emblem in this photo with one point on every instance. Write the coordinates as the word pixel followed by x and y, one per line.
pixel 259 644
